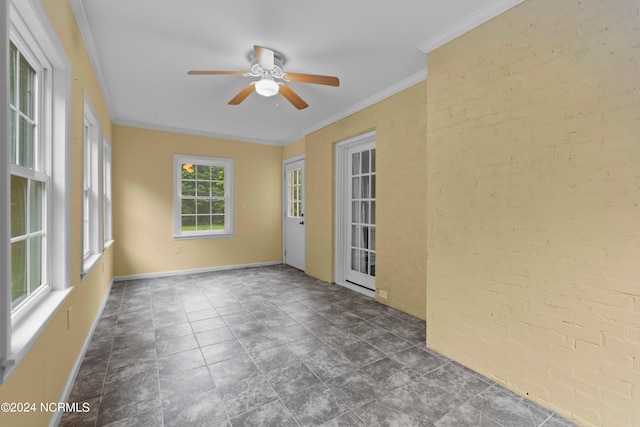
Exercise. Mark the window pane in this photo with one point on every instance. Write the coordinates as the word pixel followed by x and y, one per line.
pixel 18 206
pixel 373 160
pixel 355 188
pixel 217 222
pixel 372 259
pixel 355 260
pixel 14 138
pixel 354 235
pixel 373 186
pixel 188 188
pixel 365 238
pixel 188 206
pixel 203 207
pixel 188 171
pixel 203 172
pixel 365 212
pixel 355 163
pixel 373 212
pixel 365 187
pixel 188 223
pixel 13 63
pixel 372 237
pixel 203 188
pixel 355 212
pixel 217 206
pixel 217 189
pixel 365 162
pixel 35 207
pixel 364 261
pixel 18 272
pixel 35 262
pixel 217 173
pixel 26 146
pixel 27 88
pixel 203 222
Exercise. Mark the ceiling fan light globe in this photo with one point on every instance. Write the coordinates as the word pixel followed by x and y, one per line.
pixel 267 87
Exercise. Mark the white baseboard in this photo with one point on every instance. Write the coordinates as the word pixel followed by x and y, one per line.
pixel 66 391
pixel 193 271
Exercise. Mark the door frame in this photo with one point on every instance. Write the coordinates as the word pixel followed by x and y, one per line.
pixel 341 210
pixel 285 162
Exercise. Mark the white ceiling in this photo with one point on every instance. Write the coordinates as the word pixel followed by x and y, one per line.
pixel 142 49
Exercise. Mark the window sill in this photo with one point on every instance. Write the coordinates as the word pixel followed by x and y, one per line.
pixel 203 236
pixel 89 263
pixel 26 332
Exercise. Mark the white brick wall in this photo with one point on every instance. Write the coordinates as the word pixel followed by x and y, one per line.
pixel 533 225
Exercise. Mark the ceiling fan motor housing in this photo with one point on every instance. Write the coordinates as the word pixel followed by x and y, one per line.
pixel 258 71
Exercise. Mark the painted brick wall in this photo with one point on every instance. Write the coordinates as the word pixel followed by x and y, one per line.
pixel 400 124
pixel 533 201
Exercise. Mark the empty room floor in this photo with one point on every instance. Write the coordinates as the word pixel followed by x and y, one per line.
pixel 271 346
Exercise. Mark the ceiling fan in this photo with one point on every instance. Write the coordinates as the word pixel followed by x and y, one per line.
pixel 267 64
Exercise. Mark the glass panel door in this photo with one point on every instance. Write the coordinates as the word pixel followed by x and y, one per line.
pixel 361 239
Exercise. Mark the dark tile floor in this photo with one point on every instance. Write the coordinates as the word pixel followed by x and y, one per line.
pixel 273 347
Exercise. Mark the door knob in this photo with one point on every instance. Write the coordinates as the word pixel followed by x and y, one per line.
pixel 301 222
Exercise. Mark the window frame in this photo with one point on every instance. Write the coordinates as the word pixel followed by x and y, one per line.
pixel 92 189
pixel 25 23
pixel 227 163
pixel 107 196
pixel 41 170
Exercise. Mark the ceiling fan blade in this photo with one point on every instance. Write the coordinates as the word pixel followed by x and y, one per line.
pixel 242 95
pixel 292 97
pixel 312 78
pixel 265 57
pixel 201 73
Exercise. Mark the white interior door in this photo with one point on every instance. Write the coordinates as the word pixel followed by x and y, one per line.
pixel 356 213
pixel 294 221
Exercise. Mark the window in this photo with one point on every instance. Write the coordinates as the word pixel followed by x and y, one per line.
pixel 203 197
pixel 29 180
pixel 34 232
pixel 107 196
pixel 294 189
pixel 92 191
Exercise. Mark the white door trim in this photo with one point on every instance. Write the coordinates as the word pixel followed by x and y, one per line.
pixel 341 210
pixel 285 162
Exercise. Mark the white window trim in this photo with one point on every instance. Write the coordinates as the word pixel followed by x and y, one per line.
pixel 107 192
pixel 178 160
pixel 92 254
pixel 18 334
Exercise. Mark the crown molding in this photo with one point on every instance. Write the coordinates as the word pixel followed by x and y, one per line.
pixel 386 93
pixel 470 22
pixel 92 51
pixel 392 90
pixel 183 131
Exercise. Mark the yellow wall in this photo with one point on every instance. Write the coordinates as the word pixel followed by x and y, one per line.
pixel 533 273
pixel 143 200
pixel 400 125
pixel 293 149
pixel 43 373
